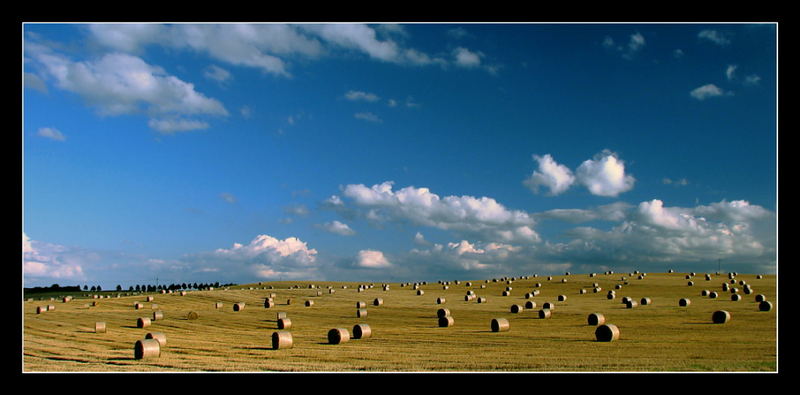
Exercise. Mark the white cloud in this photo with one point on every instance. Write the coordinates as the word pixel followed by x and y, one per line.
pixel 52 262
pixel 714 36
pixel 359 95
pixel 51 133
pixel 119 84
pixel 372 259
pixel 466 58
pixel 678 53
pixel 367 116
pixel 557 177
pixel 604 175
pixel 706 91
pixel 217 73
pixel 420 239
pixel 457 33
pixel 172 125
pixel 752 80
pixel 730 71
pixel 338 228
pixel 636 42
pixel 265 257
pixel 483 215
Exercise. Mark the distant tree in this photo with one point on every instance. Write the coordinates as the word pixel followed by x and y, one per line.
pixel 183 286
pixel 119 287
pixel 137 288
pixel 194 286
pixel 85 287
pixel 216 284
pixel 99 288
pixel 55 286
pixel 94 288
pixel 130 288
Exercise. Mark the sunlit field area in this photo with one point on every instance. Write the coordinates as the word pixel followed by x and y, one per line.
pixel 202 331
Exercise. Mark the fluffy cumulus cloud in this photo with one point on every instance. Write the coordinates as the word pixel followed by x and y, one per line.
pixel 604 175
pixel 372 259
pixel 484 215
pixel 264 257
pixel 636 42
pixel 118 83
pixel 47 262
pixel 706 91
pixel 654 233
pixel 338 228
pixel 556 177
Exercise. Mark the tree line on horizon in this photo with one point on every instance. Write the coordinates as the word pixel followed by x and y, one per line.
pixel 132 288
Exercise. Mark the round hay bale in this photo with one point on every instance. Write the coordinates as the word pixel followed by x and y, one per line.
pixel 482 300
pixel 441 300
pixel 684 302
pixel 596 319
pixel 736 297
pixel 548 306
pixel 597 289
pixel 51 307
pixel 618 286
pixel 725 286
pixel 631 304
pixel 549 278
pixel 530 304
pixel 748 290
pixel 338 336
pixel 333 291
pixel 470 292
pixel 238 306
pixel 645 301
pixel 509 289
pixel 563 280
pixel 734 290
pixel 40 309
pixel 500 325
pixel 582 291
pixel 142 322
pixel 545 313
pixel 99 327
pixel 183 293
pixel 759 277
pixel 446 321
pixel 284 323
pixel 269 303
pixel 361 313
pixel 281 339
pixel 218 305
pixel 158 315
pixel 159 336
pixel 537 285
pixel 690 283
pixel 688 277
pixel 720 317
pixel 704 292
pixel 764 306
pixel 281 314
pixel 606 333
pixel 626 299
pixel 420 292
pixel 362 331
pixel 147 348
pixel 712 295
pixel 309 303
pixel 377 302
pixel 611 295
pixel 760 298
pixel 445 287
pixel 515 308
pixel 443 313
pixel 137 306
pixel 288 301
pixel 562 298
pixel 150 299
pixel 193 315
pixel 535 292
pixel 506 293
pixel 361 305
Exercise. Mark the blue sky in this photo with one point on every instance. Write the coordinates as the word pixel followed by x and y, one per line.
pixel 395 152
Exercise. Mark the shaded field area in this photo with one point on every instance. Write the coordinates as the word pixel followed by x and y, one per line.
pixel 406 336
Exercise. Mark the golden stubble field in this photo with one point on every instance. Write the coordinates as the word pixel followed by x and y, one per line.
pixel 406 337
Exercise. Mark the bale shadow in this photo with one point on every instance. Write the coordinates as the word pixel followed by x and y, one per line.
pixel 131 326
pixel 122 359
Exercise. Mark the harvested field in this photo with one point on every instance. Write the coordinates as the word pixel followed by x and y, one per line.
pixel 662 337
